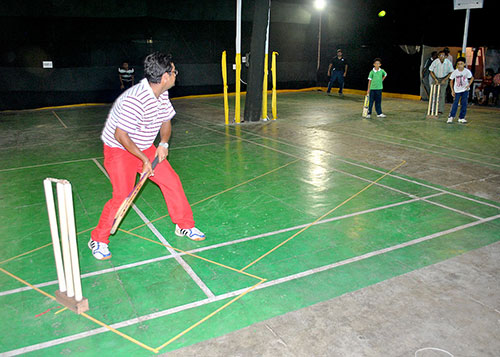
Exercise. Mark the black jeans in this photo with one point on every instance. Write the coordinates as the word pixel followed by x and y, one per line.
pixel 375 96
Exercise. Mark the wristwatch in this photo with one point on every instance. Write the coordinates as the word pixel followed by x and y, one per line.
pixel 165 145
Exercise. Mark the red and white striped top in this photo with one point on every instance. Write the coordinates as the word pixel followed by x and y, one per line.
pixel 138 112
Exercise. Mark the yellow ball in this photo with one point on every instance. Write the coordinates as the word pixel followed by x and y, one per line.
pixel 381 13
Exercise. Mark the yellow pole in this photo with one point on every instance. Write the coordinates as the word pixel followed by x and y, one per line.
pixel 238 88
pixel 274 104
pixel 264 89
pixel 224 79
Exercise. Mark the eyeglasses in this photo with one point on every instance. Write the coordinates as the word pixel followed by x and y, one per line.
pixel 176 72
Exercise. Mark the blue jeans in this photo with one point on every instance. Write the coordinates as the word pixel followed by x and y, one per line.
pixel 463 98
pixel 336 76
pixel 375 96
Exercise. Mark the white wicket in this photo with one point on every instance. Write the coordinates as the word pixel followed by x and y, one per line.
pixel 64 240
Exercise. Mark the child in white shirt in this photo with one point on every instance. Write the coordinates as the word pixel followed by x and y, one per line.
pixel 461 80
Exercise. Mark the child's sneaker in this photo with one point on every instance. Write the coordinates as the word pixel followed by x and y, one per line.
pixel 99 250
pixel 368 116
pixel 462 121
pixel 381 115
pixel 450 120
pixel 192 233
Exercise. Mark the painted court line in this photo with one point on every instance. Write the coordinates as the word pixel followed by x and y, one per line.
pixel 93 158
pixel 417 148
pixel 176 255
pixel 355 176
pixel 173 253
pixel 50 164
pixel 224 244
pixel 347 162
pixel 57 116
pixel 264 285
pixel 421 142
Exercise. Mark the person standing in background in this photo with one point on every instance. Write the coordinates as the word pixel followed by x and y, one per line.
pixel 337 70
pixel 461 80
pixel 375 86
pixel 126 75
pixel 440 71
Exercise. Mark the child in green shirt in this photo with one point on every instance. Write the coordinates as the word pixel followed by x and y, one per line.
pixel 375 79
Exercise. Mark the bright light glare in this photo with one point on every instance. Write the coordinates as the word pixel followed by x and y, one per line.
pixel 320 4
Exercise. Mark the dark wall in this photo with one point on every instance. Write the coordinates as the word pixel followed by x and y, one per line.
pixel 88 40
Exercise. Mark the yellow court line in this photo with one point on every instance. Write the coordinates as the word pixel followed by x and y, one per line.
pixel 131 339
pixel 221 192
pixel 34 250
pixel 209 315
pixel 28 252
pixel 86 230
pixel 63 309
pixel 320 218
pixel 193 255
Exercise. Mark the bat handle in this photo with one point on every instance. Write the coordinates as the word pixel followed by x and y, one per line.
pixel 155 162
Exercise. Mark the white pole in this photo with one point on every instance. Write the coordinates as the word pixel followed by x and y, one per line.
pixel 51 209
pixel 237 104
pixel 268 25
pixel 63 223
pixel 73 248
pixel 466 32
pixel 319 42
pixel 238 26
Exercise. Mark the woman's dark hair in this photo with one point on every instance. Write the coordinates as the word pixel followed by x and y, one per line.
pixel 155 65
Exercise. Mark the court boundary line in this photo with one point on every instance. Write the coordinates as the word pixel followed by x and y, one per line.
pixel 264 285
pixel 333 157
pixel 436 145
pixel 416 147
pixel 60 120
pixel 352 175
pixel 92 158
pixel 214 246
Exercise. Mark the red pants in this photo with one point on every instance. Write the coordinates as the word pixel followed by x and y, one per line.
pixel 122 168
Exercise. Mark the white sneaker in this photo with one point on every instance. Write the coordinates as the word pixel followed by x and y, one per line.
pixel 368 116
pixel 462 121
pixel 381 115
pixel 450 120
pixel 192 233
pixel 99 250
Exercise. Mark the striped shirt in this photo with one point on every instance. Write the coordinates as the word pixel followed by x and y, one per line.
pixel 126 74
pixel 138 112
pixel 441 70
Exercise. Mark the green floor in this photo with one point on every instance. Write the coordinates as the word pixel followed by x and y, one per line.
pixel 281 176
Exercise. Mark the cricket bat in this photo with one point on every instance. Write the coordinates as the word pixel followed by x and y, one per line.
pixel 365 106
pixel 130 199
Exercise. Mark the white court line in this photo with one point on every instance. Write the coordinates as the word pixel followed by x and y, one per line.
pixel 57 116
pixel 92 158
pixel 342 160
pixel 176 255
pixel 352 175
pixel 415 147
pixel 421 142
pixel 50 164
pixel 267 284
pixel 224 244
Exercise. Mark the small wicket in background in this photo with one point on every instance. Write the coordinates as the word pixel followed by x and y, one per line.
pixel 433 108
pixel 64 245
